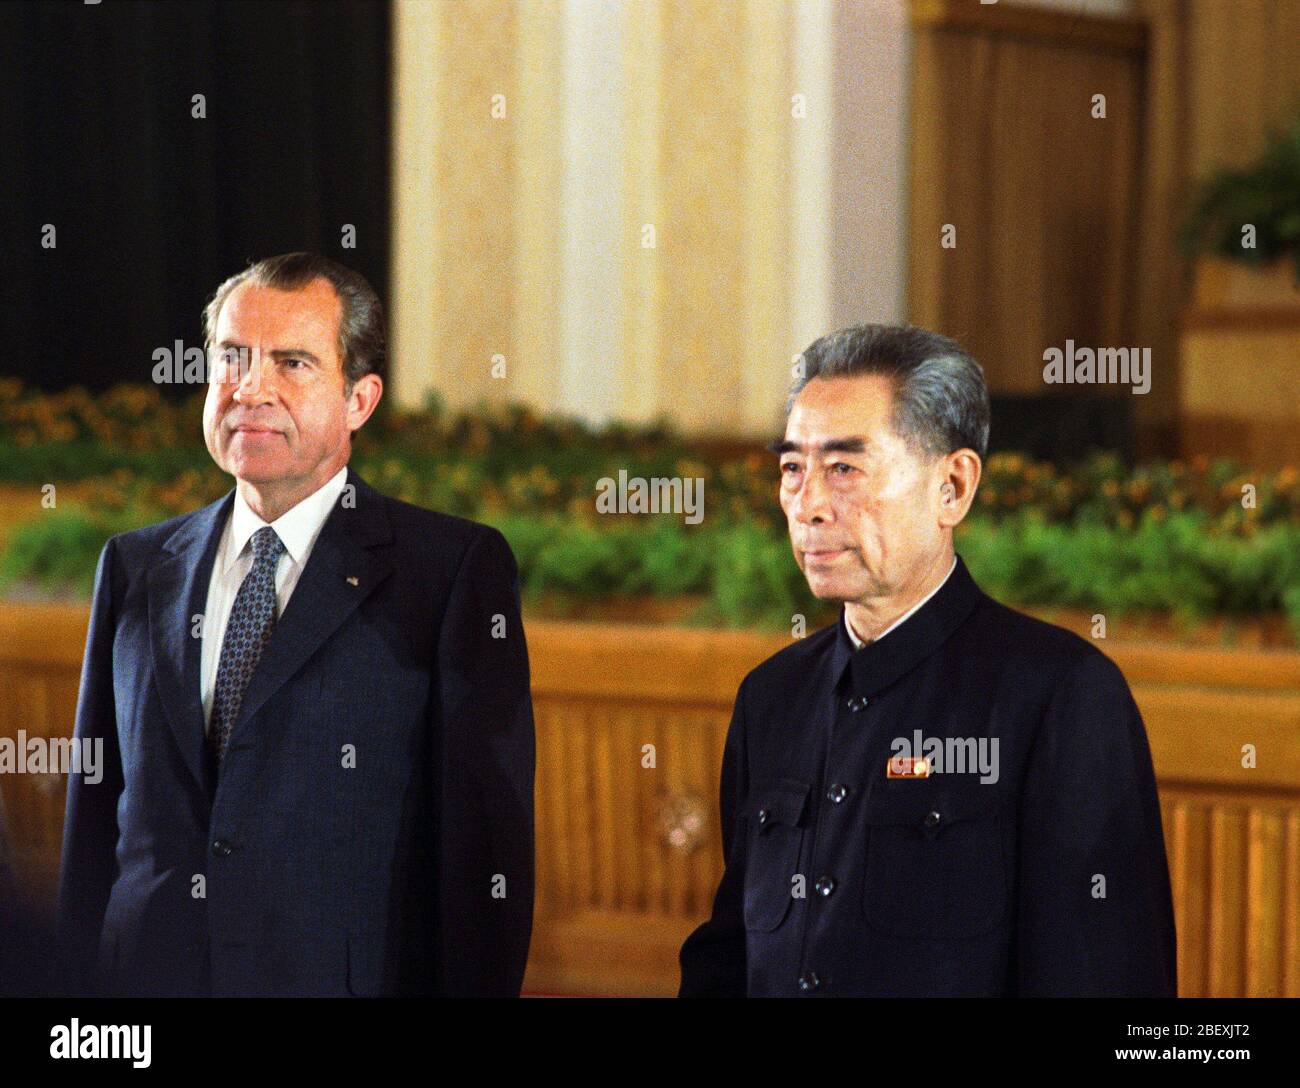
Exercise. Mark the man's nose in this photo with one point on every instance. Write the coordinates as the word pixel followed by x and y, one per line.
pixel 255 382
pixel 812 501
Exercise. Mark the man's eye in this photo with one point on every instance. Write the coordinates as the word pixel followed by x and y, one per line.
pixel 231 365
pixel 789 466
pixel 842 468
pixel 294 362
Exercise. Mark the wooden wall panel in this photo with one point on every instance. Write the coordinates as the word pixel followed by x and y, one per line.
pixel 628 855
pixel 456 188
pixel 1044 198
pixel 1240 391
pixel 1235 892
pixel 1242 77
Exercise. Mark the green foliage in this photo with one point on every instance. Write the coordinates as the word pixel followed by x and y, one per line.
pixel 59 549
pixel 672 560
pixel 53 551
pixel 592 560
pixel 1265 194
pixel 1103 535
pixel 748 577
pixel 756 581
pixel 84 459
pixel 1172 564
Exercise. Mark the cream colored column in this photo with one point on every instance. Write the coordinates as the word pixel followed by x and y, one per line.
pixel 591 331
pixel 455 170
pixel 414 281
pixel 539 119
pixel 811 159
pixel 765 362
pixel 643 207
pixel 657 225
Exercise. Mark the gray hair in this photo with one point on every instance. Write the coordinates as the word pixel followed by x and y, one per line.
pixel 941 403
pixel 362 329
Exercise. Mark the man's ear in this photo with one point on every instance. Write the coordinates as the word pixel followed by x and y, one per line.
pixel 961 476
pixel 363 399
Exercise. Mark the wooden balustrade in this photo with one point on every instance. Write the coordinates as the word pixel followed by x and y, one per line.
pixel 627 838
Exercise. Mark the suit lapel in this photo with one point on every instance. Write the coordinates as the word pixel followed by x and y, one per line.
pixel 178 592
pixel 341 572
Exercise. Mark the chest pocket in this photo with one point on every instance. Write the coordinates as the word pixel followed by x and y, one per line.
pixel 935 865
pixel 776 817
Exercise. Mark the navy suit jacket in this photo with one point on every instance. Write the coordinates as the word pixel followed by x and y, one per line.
pixel 371 828
pixel 1046 879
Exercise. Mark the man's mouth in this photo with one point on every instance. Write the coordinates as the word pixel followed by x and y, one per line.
pixel 821 555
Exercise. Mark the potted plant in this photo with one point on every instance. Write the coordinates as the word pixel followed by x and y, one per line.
pixel 1264 196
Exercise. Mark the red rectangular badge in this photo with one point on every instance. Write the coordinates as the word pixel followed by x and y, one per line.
pixel 907 767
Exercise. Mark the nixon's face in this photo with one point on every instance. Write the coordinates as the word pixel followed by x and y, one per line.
pixel 276 413
pixel 860 504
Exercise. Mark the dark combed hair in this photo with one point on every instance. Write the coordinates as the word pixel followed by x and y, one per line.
pixel 941 403
pixel 363 334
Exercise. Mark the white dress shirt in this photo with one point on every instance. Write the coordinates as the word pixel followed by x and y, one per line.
pixel 853 635
pixel 297 529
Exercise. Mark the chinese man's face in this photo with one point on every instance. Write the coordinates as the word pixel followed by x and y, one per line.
pixel 861 504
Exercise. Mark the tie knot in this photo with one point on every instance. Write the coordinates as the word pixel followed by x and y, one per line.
pixel 267 546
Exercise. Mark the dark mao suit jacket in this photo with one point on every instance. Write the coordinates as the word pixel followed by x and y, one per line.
pixel 843 881
pixel 371 828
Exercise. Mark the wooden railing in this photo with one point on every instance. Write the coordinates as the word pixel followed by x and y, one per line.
pixel 630 727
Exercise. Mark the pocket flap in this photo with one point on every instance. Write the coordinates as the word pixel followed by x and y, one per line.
pixel 927 805
pixel 780 801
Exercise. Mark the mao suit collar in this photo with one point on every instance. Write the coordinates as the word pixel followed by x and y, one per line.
pixel 878 665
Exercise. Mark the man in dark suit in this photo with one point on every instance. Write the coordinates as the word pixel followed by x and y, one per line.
pixel 936 796
pixel 313 701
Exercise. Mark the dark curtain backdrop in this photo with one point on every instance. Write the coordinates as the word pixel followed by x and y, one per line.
pixel 153 208
pixel 1062 427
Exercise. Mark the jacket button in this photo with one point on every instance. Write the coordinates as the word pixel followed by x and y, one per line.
pixel 221 848
pixel 932 819
pixel 809 981
pixel 837 792
pixel 762 815
pixel 856 703
pixel 824 886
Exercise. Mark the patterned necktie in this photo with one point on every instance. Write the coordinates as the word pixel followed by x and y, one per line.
pixel 252 619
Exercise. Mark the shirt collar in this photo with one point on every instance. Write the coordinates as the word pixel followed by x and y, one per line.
pixel 858 643
pixel 880 663
pixel 297 527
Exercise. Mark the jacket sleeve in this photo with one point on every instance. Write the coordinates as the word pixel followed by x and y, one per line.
pixel 1095 911
pixel 88 864
pixel 486 762
pixel 713 957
